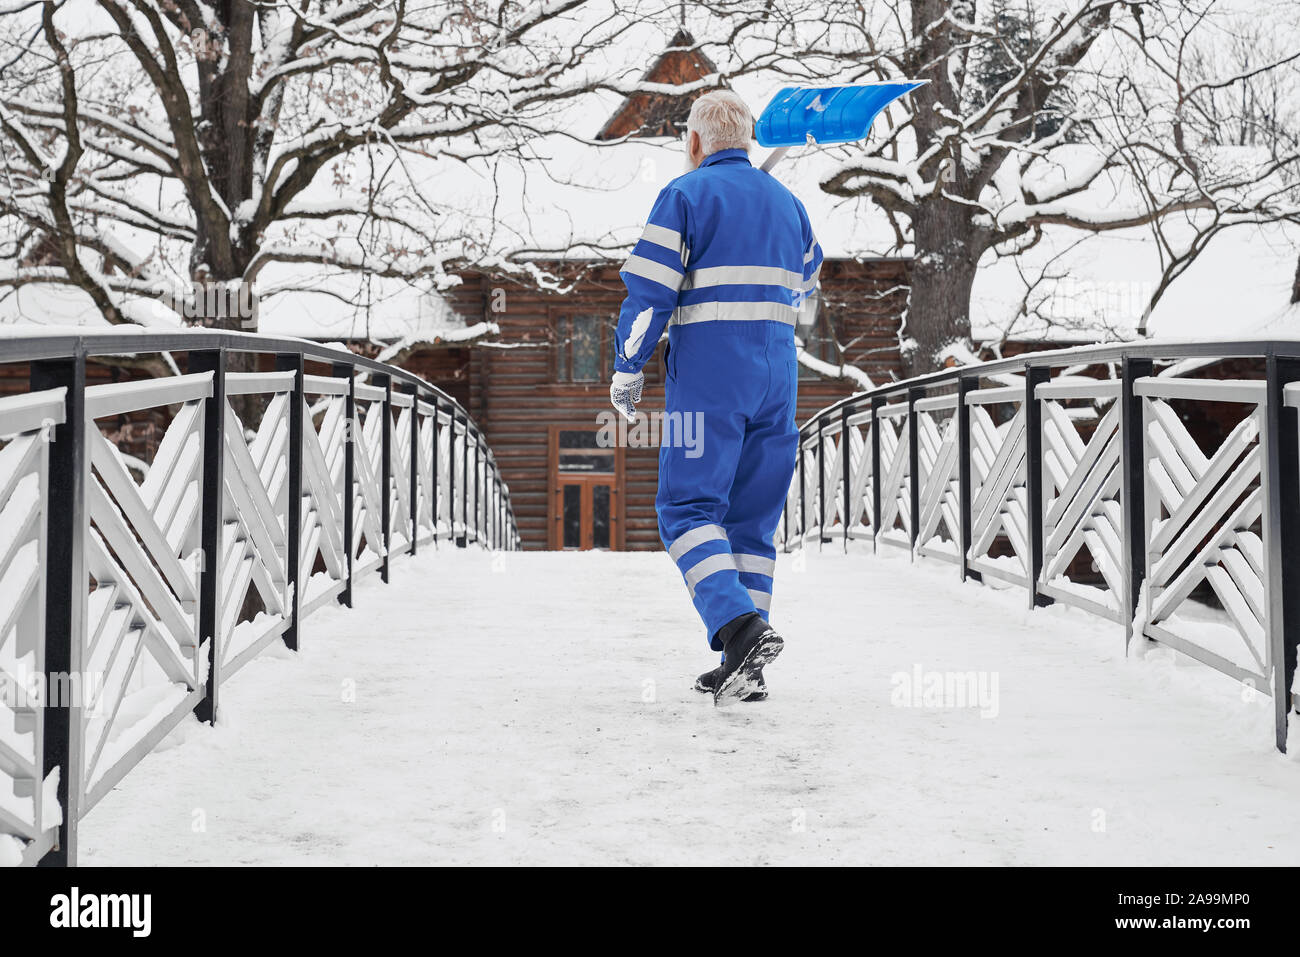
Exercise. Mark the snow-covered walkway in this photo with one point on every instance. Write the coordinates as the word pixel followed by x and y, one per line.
pixel 537 708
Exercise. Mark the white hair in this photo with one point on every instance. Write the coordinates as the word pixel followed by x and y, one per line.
pixel 722 120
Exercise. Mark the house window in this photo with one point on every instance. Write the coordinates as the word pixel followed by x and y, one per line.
pixel 580 451
pixel 819 336
pixel 582 349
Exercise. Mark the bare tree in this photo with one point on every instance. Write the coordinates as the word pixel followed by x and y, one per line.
pixel 164 156
pixel 153 151
pixel 1038 114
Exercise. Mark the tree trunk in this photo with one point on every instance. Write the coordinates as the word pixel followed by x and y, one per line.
pixel 943 273
pixel 216 308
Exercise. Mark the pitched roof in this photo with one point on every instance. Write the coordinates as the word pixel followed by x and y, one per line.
pixel 662 114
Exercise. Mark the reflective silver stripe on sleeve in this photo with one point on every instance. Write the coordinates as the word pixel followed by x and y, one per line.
pixel 663 236
pixel 758 564
pixel 696 536
pixel 762 600
pixel 812 250
pixel 743 276
pixel 708 566
pixel 736 312
pixel 810 283
pixel 655 272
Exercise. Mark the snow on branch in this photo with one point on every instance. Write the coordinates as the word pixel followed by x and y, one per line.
pixel 231 138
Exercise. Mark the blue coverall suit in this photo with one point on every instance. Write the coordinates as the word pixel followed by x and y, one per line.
pixel 726 261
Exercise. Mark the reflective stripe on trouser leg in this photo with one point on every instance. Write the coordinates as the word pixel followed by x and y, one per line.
pixel 760 591
pixel 711 575
pixel 696 536
pixel 696 468
pixel 756 574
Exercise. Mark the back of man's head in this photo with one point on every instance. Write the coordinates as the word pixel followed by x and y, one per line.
pixel 723 122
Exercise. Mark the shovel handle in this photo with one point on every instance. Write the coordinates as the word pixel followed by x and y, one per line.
pixel 773 158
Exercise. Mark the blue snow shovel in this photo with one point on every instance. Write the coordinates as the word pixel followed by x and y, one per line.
pixel 824 114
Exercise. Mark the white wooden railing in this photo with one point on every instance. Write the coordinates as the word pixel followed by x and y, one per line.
pixel 1074 475
pixel 128 600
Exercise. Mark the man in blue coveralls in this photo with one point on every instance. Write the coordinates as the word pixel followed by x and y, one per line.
pixel 725 263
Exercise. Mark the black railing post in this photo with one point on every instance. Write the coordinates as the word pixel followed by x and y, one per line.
pixel 965 385
pixel 785 511
pixel 914 466
pixel 463 538
pixel 478 481
pixel 214 458
pixel 386 480
pixel 821 482
pixel 804 485
pixel 433 466
pixel 345 370
pixel 292 362
pixel 66 586
pixel 876 403
pixel 1282 510
pixel 846 470
pixel 415 466
pixel 451 474
pixel 1132 468
pixel 1034 376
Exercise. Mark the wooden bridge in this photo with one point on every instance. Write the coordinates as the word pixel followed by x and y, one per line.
pixel 1074 475
pixel 1154 486
pixel 127 601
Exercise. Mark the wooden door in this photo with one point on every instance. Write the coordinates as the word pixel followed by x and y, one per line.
pixel 585 491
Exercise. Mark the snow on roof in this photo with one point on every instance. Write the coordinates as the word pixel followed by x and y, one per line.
pixel 339 308
pixel 1075 285
pixel 334 310
pixel 1098 286
pixel 575 197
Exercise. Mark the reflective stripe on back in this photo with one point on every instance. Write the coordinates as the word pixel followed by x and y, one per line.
pixel 736 312
pixel 743 276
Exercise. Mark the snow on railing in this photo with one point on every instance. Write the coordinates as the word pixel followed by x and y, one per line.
pixel 126 604
pixel 1094 492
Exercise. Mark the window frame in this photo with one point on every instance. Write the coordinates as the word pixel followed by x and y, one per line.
pixel 828 349
pixel 561 359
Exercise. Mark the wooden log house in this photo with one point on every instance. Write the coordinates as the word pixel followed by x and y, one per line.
pixel 541 388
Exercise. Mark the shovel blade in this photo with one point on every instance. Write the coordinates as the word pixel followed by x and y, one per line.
pixel 826 114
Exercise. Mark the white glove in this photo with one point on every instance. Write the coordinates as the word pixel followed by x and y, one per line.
pixel 625 392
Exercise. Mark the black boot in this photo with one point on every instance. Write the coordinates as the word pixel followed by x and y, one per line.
pixel 748 645
pixel 709 681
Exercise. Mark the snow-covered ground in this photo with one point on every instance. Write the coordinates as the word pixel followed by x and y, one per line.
pixel 537 708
